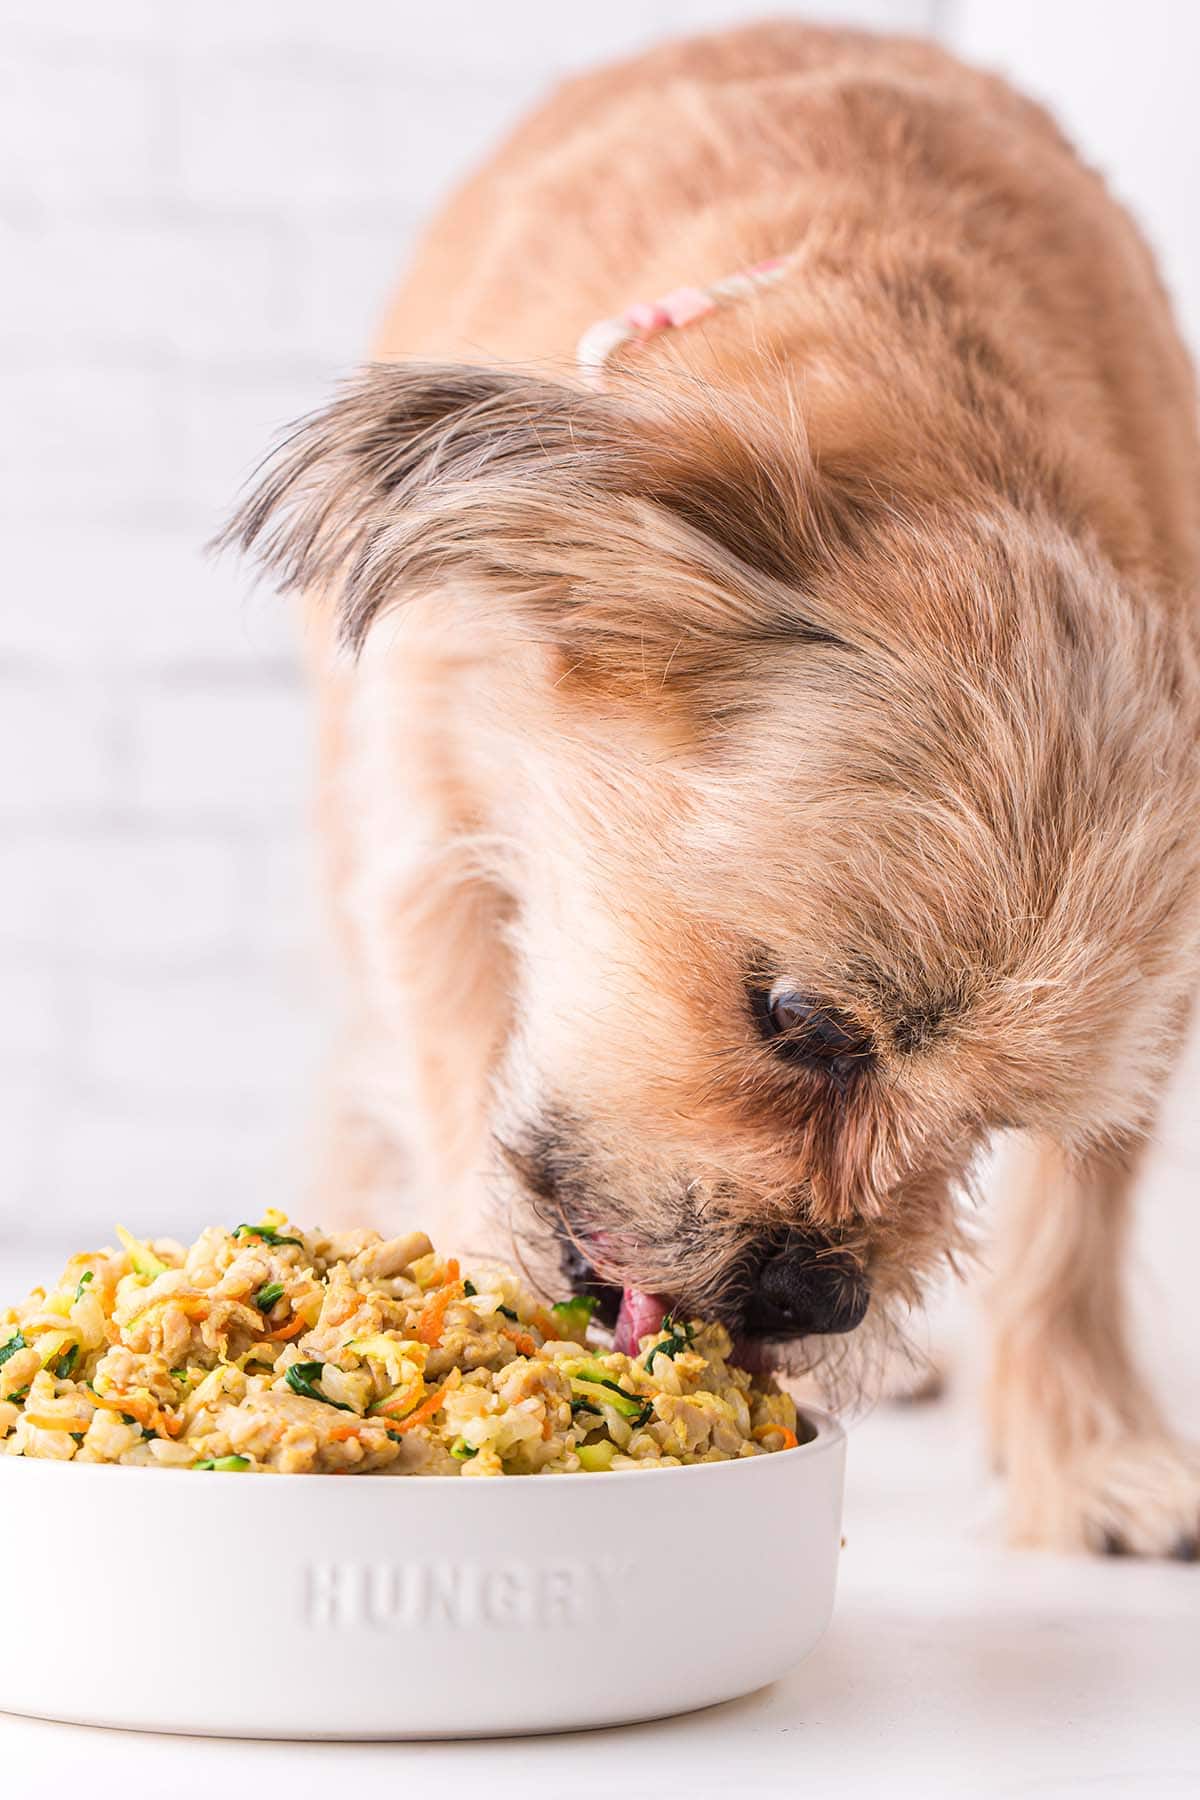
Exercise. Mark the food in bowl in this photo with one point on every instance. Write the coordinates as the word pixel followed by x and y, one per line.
pixel 272 1348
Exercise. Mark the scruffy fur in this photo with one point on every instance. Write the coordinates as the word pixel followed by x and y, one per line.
pixel 846 637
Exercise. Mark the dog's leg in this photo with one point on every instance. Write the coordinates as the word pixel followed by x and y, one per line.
pixel 403 1138
pixel 1089 1461
pixel 359 1174
pixel 403 1135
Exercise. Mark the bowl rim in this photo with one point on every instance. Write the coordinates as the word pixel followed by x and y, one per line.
pixel 830 1435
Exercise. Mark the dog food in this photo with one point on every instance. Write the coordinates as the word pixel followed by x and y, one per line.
pixel 273 1348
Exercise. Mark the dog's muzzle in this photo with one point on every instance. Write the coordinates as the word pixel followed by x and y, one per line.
pixel 803 1287
pixel 794 1284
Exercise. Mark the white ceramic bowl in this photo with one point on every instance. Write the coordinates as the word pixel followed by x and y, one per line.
pixel 305 1606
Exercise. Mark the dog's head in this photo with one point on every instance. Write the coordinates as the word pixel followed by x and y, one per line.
pixel 839 833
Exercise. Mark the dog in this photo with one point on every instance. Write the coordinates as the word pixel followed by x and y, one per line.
pixel 759 760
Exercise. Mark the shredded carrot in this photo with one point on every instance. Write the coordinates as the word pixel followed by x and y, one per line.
pixel 341 1433
pixel 432 1318
pixel 427 1408
pixel 524 1343
pixel 293 1328
pixel 192 1306
pixel 135 1407
pixel 151 1417
pixel 406 1399
pixel 790 1440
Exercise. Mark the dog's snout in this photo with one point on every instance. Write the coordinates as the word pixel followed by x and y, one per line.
pixel 805 1287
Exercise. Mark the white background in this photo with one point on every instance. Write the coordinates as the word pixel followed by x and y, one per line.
pixel 201 210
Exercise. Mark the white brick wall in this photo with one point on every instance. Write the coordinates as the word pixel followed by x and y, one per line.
pixel 200 211
pixel 204 749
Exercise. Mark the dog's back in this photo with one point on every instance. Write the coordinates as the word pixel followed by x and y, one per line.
pixel 942 219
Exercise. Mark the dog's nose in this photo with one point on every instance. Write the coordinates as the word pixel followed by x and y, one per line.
pixel 804 1287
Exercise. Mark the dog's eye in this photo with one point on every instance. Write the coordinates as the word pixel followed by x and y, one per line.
pixel 808 1031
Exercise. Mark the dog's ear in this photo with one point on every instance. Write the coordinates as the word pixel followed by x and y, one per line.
pixel 636 536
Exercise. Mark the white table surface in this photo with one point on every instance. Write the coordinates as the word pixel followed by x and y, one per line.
pixel 953 1668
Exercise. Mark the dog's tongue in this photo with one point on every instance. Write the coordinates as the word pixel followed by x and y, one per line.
pixel 641 1315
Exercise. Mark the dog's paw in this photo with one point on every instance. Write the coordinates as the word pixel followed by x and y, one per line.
pixel 1128 1496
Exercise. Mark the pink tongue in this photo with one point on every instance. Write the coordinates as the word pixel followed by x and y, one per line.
pixel 641 1315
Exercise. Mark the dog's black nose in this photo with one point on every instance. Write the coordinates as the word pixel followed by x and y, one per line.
pixel 804 1287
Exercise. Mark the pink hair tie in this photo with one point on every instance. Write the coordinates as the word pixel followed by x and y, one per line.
pixel 682 306
pixel 645 317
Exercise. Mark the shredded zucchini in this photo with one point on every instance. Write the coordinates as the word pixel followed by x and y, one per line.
pixel 268 1233
pixel 141 1257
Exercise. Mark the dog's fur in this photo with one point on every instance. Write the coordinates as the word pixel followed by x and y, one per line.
pixel 847 637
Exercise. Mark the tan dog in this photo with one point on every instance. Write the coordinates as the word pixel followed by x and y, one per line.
pixel 782 772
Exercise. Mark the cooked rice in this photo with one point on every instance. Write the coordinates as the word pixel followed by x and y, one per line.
pixel 273 1348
